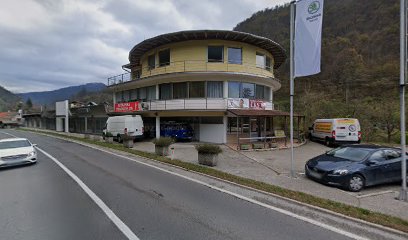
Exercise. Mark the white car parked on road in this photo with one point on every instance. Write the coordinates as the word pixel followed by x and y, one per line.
pixel 17 151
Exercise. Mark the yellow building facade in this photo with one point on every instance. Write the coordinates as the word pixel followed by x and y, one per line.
pixel 200 80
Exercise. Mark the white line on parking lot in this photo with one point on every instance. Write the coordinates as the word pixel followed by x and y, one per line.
pixel 111 215
pixel 9 134
pixel 374 194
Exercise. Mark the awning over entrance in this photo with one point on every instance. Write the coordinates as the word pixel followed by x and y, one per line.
pixel 258 113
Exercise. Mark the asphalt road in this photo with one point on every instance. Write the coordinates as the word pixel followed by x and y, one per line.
pixel 43 202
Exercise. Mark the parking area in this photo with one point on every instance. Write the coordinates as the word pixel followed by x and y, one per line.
pixel 274 167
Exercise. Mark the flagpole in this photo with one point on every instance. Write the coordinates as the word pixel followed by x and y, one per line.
pixel 403 196
pixel 292 83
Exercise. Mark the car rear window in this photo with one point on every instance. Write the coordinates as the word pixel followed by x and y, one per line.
pixel 350 153
pixel 14 144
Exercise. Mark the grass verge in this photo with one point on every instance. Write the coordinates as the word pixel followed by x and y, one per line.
pixel 351 211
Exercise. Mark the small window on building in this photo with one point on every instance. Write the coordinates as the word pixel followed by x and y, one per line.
pixel 260 60
pixel 248 90
pixel 180 90
pixel 151 62
pixel 235 55
pixel 260 92
pixel 164 57
pixel 234 89
pixel 215 54
pixel 215 89
pixel 197 89
pixel 268 64
pixel 165 91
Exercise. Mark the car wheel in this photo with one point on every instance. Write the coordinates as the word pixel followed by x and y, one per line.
pixel 119 138
pixel 356 183
pixel 327 142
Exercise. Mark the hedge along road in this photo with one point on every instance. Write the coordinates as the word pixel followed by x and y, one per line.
pixel 43 202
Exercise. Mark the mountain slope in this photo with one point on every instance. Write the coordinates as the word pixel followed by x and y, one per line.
pixel 50 97
pixel 8 100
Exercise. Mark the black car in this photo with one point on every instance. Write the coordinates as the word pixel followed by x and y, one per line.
pixel 354 167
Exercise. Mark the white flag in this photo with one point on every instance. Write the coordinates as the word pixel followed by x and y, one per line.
pixel 308 37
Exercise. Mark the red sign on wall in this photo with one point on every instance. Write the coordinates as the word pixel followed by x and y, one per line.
pixel 257 104
pixel 127 107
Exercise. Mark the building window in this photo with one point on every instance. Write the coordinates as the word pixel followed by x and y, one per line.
pixel 142 94
pixel 197 89
pixel 134 95
pixel 215 54
pixel 215 89
pixel 234 88
pixel 268 64
pixel 151 93
pixel 180 90
pixel 260 92
pixel 248 90
pixel 165 91
pixel 164 57
pixel 260 60
pixel 235 55
pixel 151 62
pixel 267 94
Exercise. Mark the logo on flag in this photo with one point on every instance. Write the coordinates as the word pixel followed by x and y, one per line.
pixel 313 7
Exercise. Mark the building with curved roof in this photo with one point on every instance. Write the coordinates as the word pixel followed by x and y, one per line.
pixel 203 80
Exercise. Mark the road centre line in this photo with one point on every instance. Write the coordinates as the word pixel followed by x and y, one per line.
pixel 285 212
pixel 111 215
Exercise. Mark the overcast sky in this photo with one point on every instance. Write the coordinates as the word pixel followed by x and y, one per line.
pixel 50 44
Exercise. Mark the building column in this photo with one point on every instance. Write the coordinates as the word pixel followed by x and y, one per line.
pixel 271 94
pixel 86 124
pixel 225 89
pixel 66 116
pixel 224 140
pixel 157 127
pixel 114 98
pixel 157 92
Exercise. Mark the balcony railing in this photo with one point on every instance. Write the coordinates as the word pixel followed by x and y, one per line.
pixel 191 104
pixel 192 66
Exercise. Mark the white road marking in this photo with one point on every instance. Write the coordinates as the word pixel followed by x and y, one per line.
pixel 111 215
pixel 288 213
pixel 9 134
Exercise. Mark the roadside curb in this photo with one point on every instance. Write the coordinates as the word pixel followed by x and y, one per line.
pixel 294 202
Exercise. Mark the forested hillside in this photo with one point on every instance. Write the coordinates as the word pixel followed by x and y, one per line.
pixel 360 64
pixel 8 100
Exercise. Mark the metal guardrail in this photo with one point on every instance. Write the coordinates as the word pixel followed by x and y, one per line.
pixel 192 66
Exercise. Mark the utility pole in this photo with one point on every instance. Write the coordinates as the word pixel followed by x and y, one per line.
pixel 403 70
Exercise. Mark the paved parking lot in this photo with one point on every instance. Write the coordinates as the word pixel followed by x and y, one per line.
pixel 274 167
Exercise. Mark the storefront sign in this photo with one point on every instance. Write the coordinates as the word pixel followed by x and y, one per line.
pixel 257 104
pixel 237 103
pixel 127 107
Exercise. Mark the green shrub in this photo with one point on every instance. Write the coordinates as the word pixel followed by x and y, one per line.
pixel 163 142
pixel 208 149
pixel 108 134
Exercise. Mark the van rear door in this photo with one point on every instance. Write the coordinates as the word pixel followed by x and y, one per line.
pixel 347 130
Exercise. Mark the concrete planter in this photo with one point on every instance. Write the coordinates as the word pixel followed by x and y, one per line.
pixel 208 159
pixel 128 143
pixel 109 139
pixel 162 151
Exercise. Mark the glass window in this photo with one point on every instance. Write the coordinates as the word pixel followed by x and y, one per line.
pixel 151 93
pixel 267 93
pixel 197 90
pixel 165 91
pixel 133 94
pixel 268 63
pixel 215 53
pixel 164 57
pixel 248 90
pixel 118 96
pixel 151 61
pixel 235 55
pixel 350 153
pixel 260 92
pixel 142 93
pixel 234 89
pixel 215 89
pixel 378 156
pixel 180 90
pixel 260 60
pixel 392 154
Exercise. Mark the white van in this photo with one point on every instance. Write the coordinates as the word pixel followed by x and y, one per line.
pixel 337 130
pixel 118 125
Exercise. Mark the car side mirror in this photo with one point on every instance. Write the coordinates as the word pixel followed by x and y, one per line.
pixel 371 162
